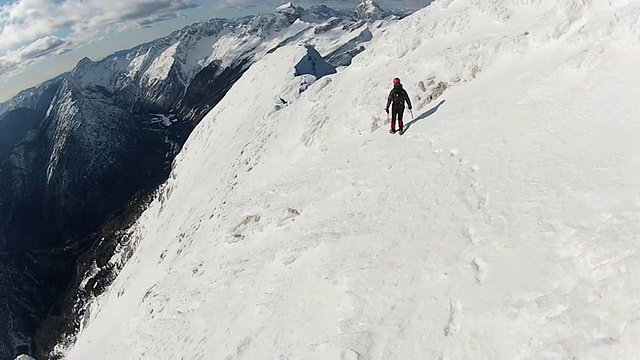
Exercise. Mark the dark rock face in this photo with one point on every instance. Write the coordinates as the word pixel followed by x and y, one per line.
pixel 206 90
pixel 323 12
pixel 93 272
pixel 28 280
pixel 76 154
pixel 71 168
pixel 87 159
pixel 23 114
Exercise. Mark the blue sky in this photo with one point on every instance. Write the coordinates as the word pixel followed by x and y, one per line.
pixel 42 38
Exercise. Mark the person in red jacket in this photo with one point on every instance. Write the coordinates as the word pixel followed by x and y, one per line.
pixel 397 97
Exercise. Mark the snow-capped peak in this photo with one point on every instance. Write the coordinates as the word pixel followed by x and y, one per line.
pixel 83 65
pixel 369 10
pixel 85 61
pixel 292 12
pixel 287 7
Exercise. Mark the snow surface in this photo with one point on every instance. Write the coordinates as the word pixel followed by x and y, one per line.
pixel 24 357
pixel 199 55
pixel 504 224
pixel 161 65
pixel 137 65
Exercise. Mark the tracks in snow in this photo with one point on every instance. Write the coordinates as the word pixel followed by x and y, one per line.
pixel 475 198
pixel 436 181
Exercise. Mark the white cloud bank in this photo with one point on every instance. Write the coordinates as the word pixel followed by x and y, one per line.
pixel 31 29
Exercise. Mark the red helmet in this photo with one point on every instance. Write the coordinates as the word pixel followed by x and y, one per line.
pixel 396 81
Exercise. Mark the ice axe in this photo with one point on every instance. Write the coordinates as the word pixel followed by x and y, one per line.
pixel 411 111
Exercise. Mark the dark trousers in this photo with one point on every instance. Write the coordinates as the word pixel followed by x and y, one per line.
pixel 397 113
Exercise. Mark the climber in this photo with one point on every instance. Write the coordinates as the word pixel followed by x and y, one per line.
pixel 397 96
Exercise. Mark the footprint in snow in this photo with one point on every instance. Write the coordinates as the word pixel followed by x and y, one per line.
pixel 350 354
pixel 290 215
pixel 453 326
pixel 479 267
pixel 240 349
pixel 288 259
pixel 291 255
pixel 243 229
pixel 482 201
pixel 467 233
pixel 472 195
pixel 242 346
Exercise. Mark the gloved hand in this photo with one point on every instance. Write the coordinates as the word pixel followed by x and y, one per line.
pixel 410 108
pixel 387 110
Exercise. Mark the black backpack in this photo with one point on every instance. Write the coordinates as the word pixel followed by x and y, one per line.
pixel 398 96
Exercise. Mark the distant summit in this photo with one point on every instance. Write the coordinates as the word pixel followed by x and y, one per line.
pixel 291 11
pixel 325 12
pixel 287 7
pixel 369 10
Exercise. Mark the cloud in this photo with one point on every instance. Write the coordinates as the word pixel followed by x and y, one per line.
pixel 25 21
pixel 14 61
pixel 226 4
pixel 42 47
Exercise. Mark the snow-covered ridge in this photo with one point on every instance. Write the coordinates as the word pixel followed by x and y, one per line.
pixel 176 58
pixel 498 227
pixel 140 71
pixel 130 113
pixel 145 73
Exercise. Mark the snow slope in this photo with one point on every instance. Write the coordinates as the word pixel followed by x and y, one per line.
pixel 24 357
pixel 503 225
